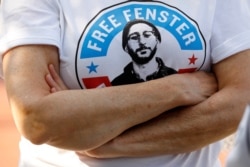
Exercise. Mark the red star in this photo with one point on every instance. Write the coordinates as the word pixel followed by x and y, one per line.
pixel 192 60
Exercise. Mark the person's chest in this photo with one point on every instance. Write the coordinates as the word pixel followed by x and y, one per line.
pixel 93 41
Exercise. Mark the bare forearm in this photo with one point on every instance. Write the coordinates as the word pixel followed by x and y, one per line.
pixel 87 124
pixel 200 124
pixel 84 119
pixel 122 107
pixel 172 132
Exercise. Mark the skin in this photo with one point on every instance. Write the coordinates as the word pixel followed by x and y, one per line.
pixel 68 118
pixel 148 137
pixel 86 125
pixel 180 124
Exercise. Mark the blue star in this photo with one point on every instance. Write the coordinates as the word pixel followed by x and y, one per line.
pixel 92 68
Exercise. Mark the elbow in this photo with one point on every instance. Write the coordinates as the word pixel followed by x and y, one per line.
pixel 35 131
pixel 31 124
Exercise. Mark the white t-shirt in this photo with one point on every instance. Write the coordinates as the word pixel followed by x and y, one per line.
pixel 194 35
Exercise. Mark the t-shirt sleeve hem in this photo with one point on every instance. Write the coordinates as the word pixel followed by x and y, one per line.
pixel 232 46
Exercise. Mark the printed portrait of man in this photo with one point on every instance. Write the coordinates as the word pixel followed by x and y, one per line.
pixel 140 40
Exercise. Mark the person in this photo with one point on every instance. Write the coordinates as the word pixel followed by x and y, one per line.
pixel 139 40
pixel 240 153
pixel 59 58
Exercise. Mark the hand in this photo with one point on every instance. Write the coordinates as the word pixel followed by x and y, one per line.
pixel 197 87
pixel 105 151
pixel 54 81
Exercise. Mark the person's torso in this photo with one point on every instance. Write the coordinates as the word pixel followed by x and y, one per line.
pixel 92 52
pixel 92 55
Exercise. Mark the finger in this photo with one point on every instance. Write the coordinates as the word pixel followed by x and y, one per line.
pixel 56 77
pixel 54 87
pixel 53 90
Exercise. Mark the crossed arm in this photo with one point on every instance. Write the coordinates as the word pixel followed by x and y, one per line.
pixel 182 129
pixel 132 121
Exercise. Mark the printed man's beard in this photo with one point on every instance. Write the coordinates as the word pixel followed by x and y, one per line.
pixel 141 60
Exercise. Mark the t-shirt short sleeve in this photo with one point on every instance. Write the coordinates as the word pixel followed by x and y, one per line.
pixel 231 31
pixel 26 22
